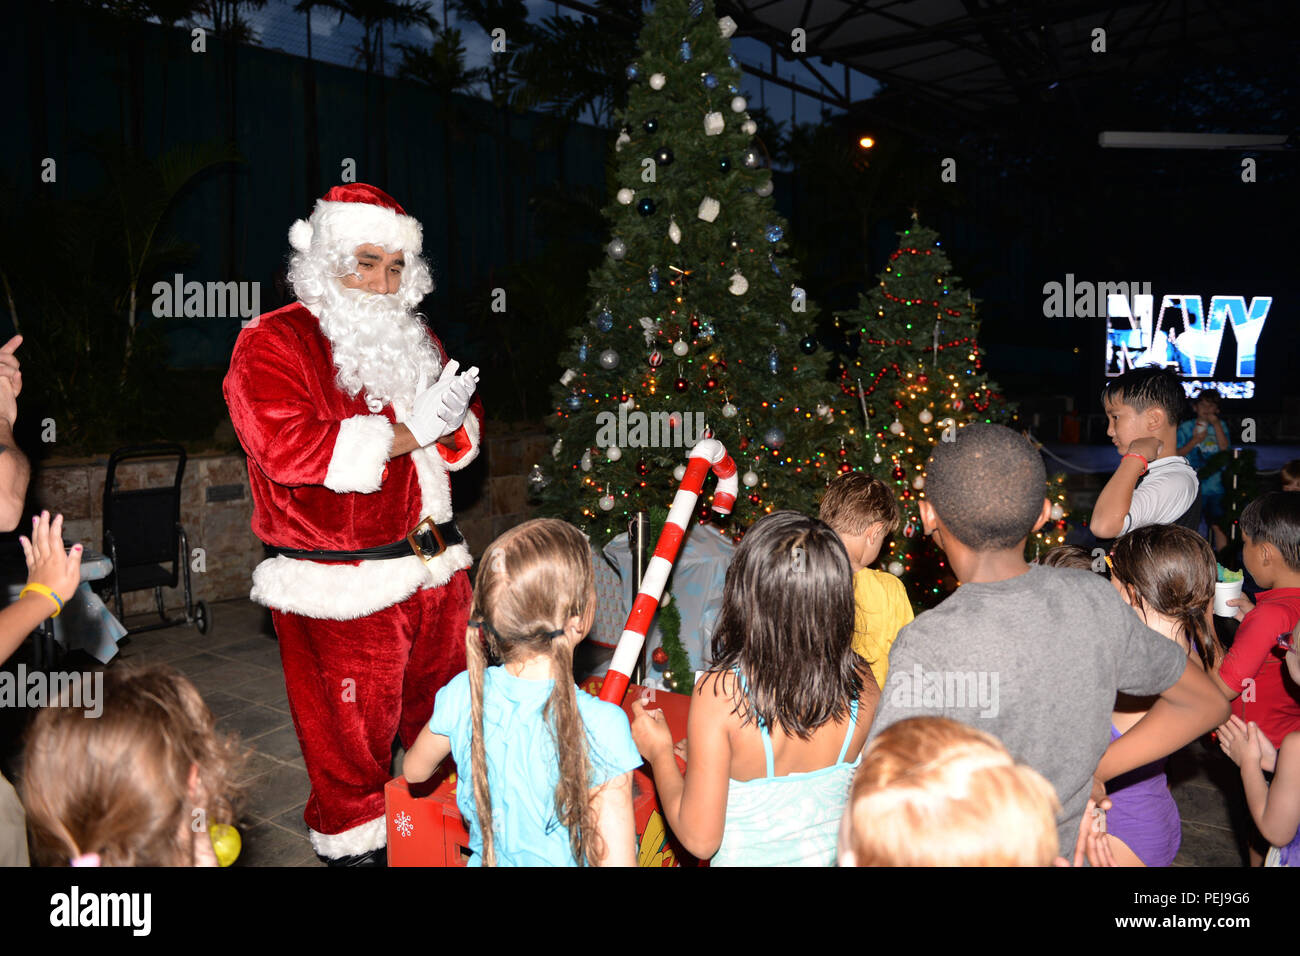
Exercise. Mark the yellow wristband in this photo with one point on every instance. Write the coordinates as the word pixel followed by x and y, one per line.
pixel 48 592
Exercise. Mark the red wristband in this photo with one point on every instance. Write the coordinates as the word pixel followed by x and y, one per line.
pixel 1146 465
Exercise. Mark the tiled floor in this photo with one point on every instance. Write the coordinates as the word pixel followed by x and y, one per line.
pixel 236 667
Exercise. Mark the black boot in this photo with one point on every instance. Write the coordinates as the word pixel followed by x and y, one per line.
pixel 372 858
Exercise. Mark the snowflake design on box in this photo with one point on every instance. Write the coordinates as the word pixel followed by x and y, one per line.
pixel 404 823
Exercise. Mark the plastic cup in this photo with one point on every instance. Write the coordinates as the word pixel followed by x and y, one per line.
pixel 1225 591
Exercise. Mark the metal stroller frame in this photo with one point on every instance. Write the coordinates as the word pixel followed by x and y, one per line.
pixel 143 532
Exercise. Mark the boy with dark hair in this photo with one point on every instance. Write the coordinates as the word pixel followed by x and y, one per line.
pixel 862 510
pixel 1152 485
pixel 1031 654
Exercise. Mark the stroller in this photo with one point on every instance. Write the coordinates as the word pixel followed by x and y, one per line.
pixel 145 539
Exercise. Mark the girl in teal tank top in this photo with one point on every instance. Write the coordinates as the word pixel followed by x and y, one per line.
pixel 778 722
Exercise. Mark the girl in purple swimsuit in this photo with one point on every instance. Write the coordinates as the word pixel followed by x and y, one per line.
pixel 1166 573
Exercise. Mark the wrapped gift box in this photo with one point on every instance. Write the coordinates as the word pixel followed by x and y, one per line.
pixel 425 826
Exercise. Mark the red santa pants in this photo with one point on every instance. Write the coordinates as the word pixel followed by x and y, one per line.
pixel 354 685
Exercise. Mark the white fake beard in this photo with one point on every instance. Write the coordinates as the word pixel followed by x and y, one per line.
pixel 378 346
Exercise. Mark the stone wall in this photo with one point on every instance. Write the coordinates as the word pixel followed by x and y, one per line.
pixel 491 496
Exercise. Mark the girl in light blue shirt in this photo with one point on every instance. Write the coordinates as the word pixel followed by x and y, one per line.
pixel 550 766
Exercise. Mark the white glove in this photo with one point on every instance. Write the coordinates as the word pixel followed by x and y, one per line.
pixel 440 408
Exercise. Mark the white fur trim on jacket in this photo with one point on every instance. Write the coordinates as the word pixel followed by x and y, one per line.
pixel 471 429
pixel 362 838
pixel 360 453
pixel 355 224
pixel 345 592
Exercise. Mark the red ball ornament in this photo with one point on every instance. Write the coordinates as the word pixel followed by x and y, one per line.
pixel 744 443
pixel 681 385
pixel 922 379
pixel 660 657
pixel 656 359
pixel 898 472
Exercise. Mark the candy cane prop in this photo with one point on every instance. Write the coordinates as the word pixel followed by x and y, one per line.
pixel 708 454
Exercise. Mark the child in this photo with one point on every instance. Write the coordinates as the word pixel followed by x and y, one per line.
pixel 138 786
pixel 550 767
pixel 1199 441
pixel 1166 574
pixel 1152 485
pixel 779 719
pixel 1033 655
pixel 1270 531
pixel 933 792
pixel 1072 556
pixel 52 578
pixel 862 511
pixel 1275 809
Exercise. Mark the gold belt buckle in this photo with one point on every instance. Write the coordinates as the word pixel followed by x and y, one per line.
pixel 426 523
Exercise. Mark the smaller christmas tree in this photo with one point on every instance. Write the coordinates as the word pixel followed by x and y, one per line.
pixel 916 375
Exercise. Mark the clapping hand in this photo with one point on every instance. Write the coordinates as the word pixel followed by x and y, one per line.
pixel 1245 745
pixel 440 408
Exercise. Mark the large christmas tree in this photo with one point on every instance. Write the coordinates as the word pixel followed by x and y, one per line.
pixel 916 372
pixel 695 323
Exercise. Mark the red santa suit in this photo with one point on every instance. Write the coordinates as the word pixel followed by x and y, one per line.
pixel 366 645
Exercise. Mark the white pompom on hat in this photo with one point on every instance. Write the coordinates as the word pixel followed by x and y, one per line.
pixel 358 214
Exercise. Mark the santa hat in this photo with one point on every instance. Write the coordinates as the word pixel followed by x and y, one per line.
pixel 357 214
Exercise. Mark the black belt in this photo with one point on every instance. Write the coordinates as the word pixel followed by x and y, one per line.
pixel 427 541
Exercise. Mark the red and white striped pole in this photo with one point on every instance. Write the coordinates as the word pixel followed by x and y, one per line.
pixel 705 456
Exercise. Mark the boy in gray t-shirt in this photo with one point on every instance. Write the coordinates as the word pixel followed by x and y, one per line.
pixel 1033 655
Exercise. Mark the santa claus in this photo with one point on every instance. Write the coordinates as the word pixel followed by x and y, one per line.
pixel 352 418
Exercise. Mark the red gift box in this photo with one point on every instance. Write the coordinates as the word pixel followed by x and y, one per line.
pixel 425 826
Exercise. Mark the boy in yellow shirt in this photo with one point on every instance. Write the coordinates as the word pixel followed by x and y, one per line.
pixel 862 511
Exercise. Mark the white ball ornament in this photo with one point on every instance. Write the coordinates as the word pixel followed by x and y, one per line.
pixel 749 127
pixel 613 453
pixel 1057 511
pixel 926 416
pixel 728 410
pixel 876 458
pixel 896 568
pixel 680 348
pixel 896 427
pixel 765 189
pixel 738 104
pixel 679 473
pixel 606 502
pixel 739 284
pixel 625 196
pixel 750 479
pixel 918 482
pixel 657 81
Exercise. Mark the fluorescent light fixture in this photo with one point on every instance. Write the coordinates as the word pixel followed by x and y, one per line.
pixel 1112 139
